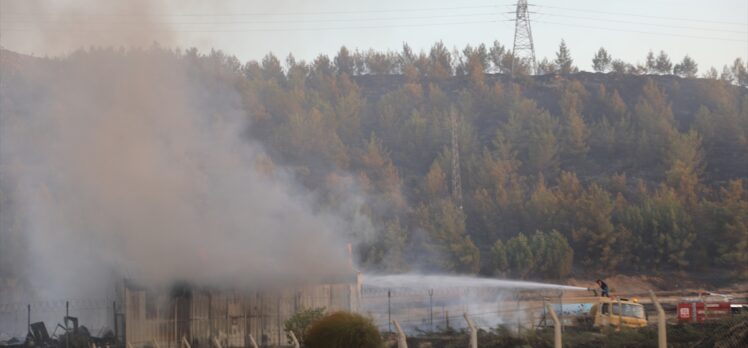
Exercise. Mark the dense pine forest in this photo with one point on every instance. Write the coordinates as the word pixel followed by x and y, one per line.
pixel 632 168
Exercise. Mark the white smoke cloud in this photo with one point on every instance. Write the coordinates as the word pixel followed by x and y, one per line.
pixel 135 165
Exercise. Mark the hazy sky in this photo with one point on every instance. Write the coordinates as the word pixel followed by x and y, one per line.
pixel 713 32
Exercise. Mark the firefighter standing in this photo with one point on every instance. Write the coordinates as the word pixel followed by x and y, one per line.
pixel 604 288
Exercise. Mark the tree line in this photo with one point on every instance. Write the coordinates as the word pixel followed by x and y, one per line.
pixel 441 62
pixel 586 177
pixel 561 176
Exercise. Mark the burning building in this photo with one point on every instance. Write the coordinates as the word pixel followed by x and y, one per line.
pixel 233 317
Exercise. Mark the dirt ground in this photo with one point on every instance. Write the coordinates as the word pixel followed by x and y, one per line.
pixel 715 281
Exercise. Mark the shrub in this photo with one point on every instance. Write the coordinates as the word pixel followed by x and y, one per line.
pixel 343 330
pixel 299 322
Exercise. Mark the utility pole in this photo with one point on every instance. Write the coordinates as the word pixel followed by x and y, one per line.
pixel 431 309
pixel 389 311
pixel 557 339
pixel 67 331
pixel 473 331
pixel 456 179
pixel 523 50
pixel 661 322
pixel 402 341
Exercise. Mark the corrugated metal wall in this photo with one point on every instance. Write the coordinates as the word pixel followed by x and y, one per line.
pixel 160 320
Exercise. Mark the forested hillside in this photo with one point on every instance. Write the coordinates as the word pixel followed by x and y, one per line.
pixel 625 171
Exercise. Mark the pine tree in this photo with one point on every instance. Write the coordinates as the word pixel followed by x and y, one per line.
pixel 619 67
pixel 497 54
pixel 711 74
pixel 601 62
pixel 542 209
pixel 475 64
pixel 560 255
pixel 344 62
pixel 383 175
pixel 663 64
pixel 651 64
pixel 574 128
pixel 449 247
pixel 440 62
pixel 723 228
pixel 552 255
pixel 394 243
pixel 272 69
pixel 435 183
pixel 684 158
pixel 594 235
pixel 739 72
pixel 686 68
pixel 499 265
pixel 547 67
pixel 654 121
pixel 519 256
pixel 563 59
pixel 541 259
pixel 662 229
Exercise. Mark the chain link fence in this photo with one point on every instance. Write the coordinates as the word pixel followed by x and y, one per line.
pixel 95 314
pixel 431 310
pixel 230 318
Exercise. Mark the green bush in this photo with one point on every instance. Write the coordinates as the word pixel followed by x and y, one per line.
pixel 299 322
pixel 343 330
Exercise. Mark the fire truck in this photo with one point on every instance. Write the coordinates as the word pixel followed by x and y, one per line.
pixel 706 306
pixel 602 312
pixel 618 312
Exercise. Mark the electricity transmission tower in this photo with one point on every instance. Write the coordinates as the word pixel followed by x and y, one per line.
pixel 456 179
pixel 523 49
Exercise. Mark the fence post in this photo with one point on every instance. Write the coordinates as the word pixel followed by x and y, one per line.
pixel 431 309
pixel 389 310
pixel 557 339
pixel 176 322
pixel 473 331
pixel 402 341
pixel 561 315
pixel 293 339
pixel 519 321
pixel 187 344
pixel 215 342
pixel 210 314
pixel 227 325
pixel 114 316
pixel 252 341
pixel 67 332
pixel 446 318
pixel 28 319
pixel 661 324
pixel 278 316
pixel 244 313
pixel 125 302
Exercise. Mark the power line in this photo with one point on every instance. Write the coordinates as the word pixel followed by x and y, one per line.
pixel 644 23
pixel 271 30
pixel 238 14
pixel 328 20
pixel 641 32
pixel 643 16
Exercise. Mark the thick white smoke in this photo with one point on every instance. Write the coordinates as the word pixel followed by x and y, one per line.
pixel 134 165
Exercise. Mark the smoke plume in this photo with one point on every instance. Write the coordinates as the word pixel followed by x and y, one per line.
pixel 136 164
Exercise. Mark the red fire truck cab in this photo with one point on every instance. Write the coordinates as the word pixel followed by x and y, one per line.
pixel 704 307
